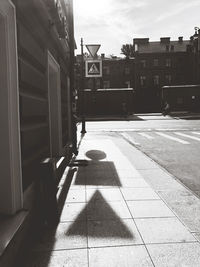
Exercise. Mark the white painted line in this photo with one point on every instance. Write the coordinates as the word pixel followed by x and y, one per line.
pixel 114 130
pixel 196 133
pixel 168 129
pixel 173 138
pixel 130 139
pixel 146 135
pixel 117 129
pixel 90 129
pixel 188 136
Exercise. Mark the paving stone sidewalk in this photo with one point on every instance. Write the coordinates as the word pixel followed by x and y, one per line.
pixel 121 210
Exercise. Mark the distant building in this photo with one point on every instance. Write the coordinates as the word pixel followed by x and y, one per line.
pixel 117 77
pixel 117 73
pixel 195 40
pixel 182 97
pixel 159 64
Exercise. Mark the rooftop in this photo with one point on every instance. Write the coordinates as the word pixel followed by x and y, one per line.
pixel 143 45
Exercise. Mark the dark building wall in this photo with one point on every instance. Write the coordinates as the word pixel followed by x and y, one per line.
pixel 158 64
pixel 195 61
pixel 117 73
pixel 44 50
pixel 37 35
pixel 108 102
pixel 185 97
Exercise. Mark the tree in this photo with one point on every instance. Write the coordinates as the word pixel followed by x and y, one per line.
pixel 127 50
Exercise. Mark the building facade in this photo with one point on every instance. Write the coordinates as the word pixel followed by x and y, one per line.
pixel 116 73
pixel 196 55
pixel 159 64
pixel 115 87
pixel 37 52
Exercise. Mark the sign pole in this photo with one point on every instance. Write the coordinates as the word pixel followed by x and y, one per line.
pixel 83 131
pixel 94 93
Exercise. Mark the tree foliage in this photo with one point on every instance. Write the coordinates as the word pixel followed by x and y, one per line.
pixel 127 50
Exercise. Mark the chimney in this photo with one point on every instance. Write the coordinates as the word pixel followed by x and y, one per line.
pixel 140 40
pixel 180 39
pixel 165 40
pixel 102 55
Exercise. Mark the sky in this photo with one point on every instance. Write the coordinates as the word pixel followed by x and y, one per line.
pixel 112 23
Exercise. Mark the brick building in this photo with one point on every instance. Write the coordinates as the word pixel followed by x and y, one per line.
pixel 111 88
pixel 157 64
pixel 195 39
pixel 116 73
pixel 187 96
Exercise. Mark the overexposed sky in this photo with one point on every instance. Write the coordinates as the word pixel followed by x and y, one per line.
pixel 113 23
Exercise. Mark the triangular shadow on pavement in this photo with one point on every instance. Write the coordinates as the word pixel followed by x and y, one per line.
pixel 100 212
pixel 97 172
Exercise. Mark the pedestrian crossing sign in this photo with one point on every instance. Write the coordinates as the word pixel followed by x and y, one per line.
pixel 93 68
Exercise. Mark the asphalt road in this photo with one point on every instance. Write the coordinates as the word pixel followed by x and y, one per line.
pixel 173 142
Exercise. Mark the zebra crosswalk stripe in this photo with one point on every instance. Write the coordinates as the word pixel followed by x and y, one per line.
pixel 196 133
pixel 129 139
pixel 188 136
pixel 173 138
pixel 146 135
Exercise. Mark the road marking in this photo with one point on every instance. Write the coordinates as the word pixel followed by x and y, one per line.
pixel 118 129
pixel 196 132
pixel 146 135
pixel 188 136
pixel 173 138
pixel 90 129
pixel 129 139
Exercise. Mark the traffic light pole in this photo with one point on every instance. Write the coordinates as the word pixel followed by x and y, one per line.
pixel 83 130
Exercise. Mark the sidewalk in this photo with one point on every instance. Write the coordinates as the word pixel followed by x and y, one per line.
pixel 122 209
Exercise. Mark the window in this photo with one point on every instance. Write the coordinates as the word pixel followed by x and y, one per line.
pixel 89 83
pixel 98 83
pixel 54 98
pixel 167 48
pixel 143 63
pixel 172 48
pixel 11 196
pixel 156 79
pixel 127 70
pixel 168 78
pixel 155 62
pixel 179 100
pixel 168 62
pixel 106 70
pixel 128 84
pixel 106 84
pixel 142 81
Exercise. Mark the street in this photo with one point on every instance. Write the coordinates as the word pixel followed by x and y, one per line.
pixel 172 142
